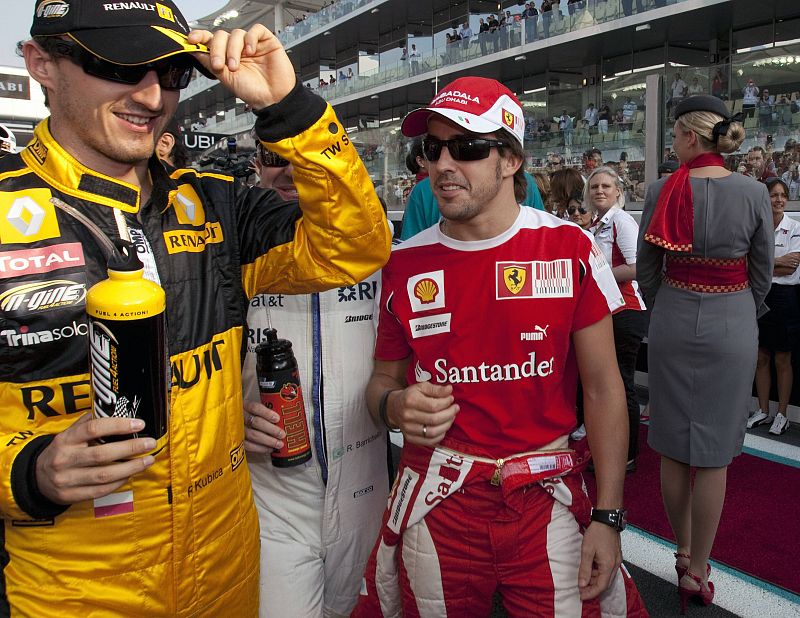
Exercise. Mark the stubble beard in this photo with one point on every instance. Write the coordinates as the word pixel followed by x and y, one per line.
pixel 131 151
pixel 478 198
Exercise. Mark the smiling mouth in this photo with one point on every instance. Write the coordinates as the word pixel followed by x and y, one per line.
pixel 138 121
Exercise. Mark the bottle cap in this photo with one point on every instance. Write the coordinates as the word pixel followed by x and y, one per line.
pixel 124 258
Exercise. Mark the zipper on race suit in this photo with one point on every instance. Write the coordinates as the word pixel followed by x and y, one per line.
pixel 498 472
pixel 317 403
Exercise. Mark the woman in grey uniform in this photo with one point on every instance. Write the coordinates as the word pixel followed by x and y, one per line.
pixel 705 265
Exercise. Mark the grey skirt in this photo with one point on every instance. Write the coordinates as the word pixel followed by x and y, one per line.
pixel 701 355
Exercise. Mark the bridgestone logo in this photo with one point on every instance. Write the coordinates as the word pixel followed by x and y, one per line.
pixel 429 326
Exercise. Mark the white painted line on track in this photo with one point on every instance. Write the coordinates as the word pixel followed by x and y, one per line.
pixel 737 592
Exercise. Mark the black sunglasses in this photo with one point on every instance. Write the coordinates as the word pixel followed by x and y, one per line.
pixel 269 158
pixel 174 73
pixel 461 148
pixel 572 210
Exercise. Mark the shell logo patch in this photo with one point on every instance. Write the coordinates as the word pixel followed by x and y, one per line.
pixel 426 291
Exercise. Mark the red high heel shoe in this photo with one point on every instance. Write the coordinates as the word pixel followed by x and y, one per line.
pixel 681 570
pixel 704 596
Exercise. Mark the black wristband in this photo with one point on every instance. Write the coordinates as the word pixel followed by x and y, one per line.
pixel 382 410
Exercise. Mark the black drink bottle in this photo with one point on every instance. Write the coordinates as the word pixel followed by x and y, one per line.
pixel 279 385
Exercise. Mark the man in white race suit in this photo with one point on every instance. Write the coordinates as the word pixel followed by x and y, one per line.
pixel 318 520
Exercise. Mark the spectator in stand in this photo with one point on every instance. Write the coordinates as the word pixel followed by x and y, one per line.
pixel 759 167
pixel 342 76
pixel 547 14
pixel 603 118
pixel 677 91
pixel 718 84
pixel 350 73
pixel 627 7
pixel 466 36
pixel 494 32
pixel 531 22
pixel 764 109
pixel 331 79
pixel 695 87
pixel 749 98
pixel 791 178
pixel 483 34
pixel 565 126
pixel 592 159
pixel 619 120
pixel 628 111
pixel 563 184
pixel 590 116
pixel 554 162
pixel 779 328
pixel 414 56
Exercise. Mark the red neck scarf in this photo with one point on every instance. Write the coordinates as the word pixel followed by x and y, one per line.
pixel 672 225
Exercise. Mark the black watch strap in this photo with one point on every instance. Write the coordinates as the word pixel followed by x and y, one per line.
pixel 611 517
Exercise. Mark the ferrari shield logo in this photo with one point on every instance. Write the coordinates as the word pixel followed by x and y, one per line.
pixel 508 119
pixel 514 277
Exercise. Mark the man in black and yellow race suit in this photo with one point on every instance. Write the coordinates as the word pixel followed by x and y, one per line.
pixel 107 529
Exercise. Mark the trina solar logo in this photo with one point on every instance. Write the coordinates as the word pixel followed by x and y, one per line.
pixel 426 291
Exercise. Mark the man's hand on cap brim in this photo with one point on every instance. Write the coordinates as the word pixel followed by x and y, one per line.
pixel 253 65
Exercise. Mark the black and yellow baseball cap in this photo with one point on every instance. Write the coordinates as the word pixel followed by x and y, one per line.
pixel 125 33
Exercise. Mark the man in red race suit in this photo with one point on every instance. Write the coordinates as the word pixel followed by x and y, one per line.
pixel 486 320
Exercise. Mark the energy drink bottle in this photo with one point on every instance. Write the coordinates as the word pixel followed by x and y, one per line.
pixel 279 384
pixel 128 358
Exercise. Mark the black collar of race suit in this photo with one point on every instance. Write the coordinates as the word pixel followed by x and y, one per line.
pixel 48 160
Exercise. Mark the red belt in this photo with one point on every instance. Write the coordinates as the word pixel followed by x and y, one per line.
pixel 709 275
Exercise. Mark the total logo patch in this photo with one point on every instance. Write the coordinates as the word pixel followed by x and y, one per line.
pixel 27 216
pixel 42 260
pixel 25 299
pixel 426 291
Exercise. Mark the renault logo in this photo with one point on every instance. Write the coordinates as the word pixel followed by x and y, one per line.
pixel 26 216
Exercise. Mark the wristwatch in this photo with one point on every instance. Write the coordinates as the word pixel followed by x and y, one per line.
pixel 612 517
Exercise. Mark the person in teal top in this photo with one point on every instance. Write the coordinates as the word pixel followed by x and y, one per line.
pixel 422 211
